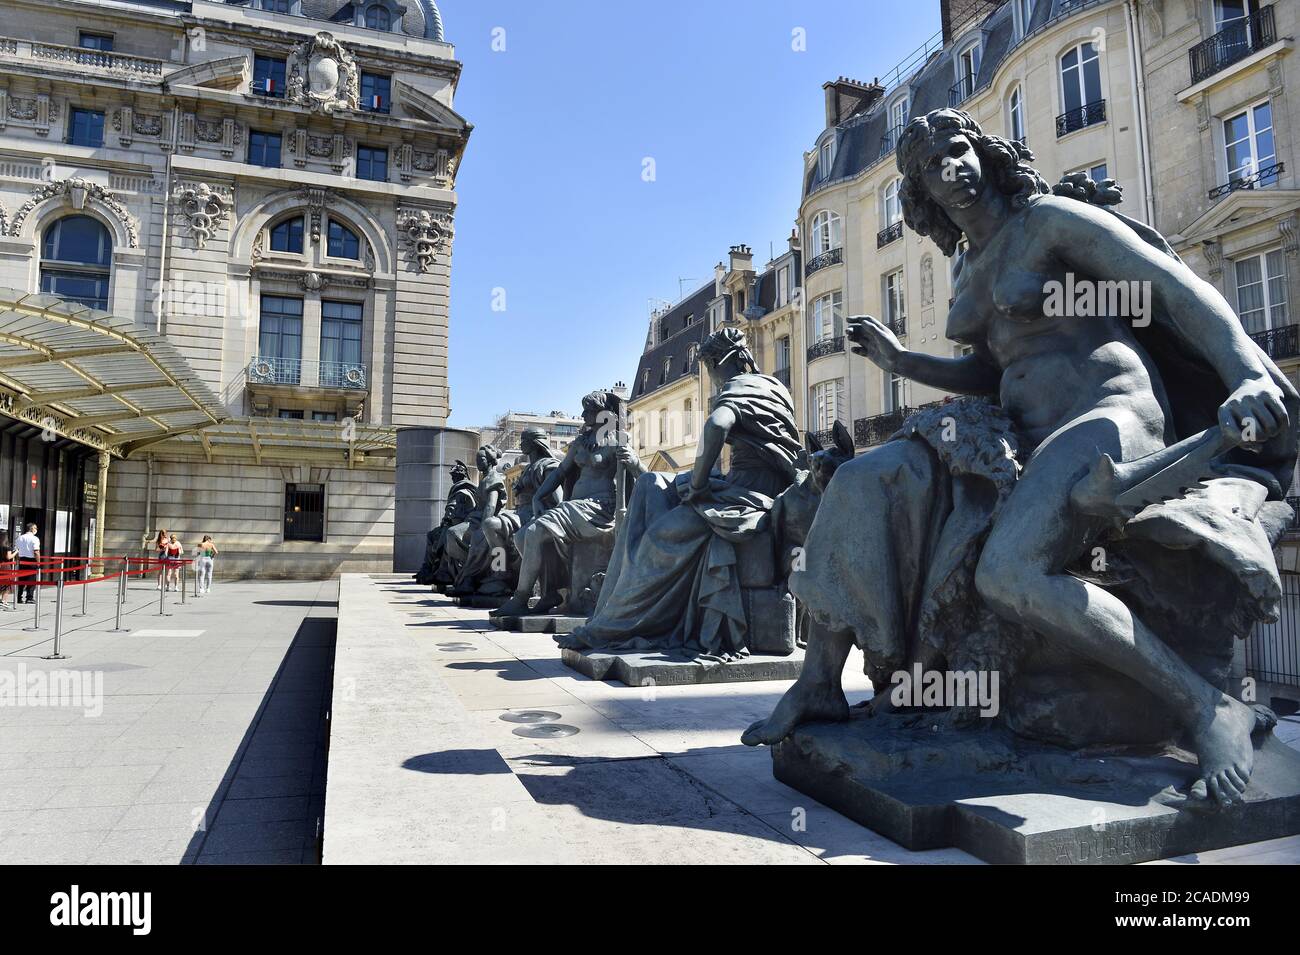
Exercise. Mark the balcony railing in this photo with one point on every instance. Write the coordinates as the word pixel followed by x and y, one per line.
pixel 1234 42
pixel 266 370
pixel 1267 176
pixel 829 346
pixel 890 233
pixel 877 429
pixel 833 257
pixel 1087 115
pixel 1280 342
pixel 825 437
pixel 889 141
pixel 782 375
pixel 898 326
pixel 79 58
pixel 962 91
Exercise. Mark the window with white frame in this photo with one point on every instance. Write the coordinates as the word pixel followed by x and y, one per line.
pixel 1261 290
pixel 1232 19
pixel 894 302
pixel 1248 144
pixel 825 320
pixel 1024 15
pixel 1097 172
pixel 783 353
pixel 663 426
pixel 825 232
pixel 688 417
pixel 893 206
pixel 968 69
pixel 895 392
pixel 1016 114
pixel 898 113
pixel 826 404
pixel 826 157
pixel 1080 78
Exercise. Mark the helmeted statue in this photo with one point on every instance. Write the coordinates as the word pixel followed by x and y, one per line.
pixel 460 501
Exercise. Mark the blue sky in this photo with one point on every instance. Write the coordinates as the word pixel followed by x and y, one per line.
pixel 554 210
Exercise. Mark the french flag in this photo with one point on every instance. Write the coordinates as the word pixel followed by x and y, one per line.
pixel 376 102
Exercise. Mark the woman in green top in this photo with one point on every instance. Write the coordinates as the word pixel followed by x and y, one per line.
pixel 207 551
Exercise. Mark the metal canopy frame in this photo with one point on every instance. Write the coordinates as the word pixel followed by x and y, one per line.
pixel 273 441
pixel 101 380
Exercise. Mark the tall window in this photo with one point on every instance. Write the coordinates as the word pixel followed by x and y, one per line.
pixel 826 318
pixel 340 340
pixel 825 232
pixel 286 236
pixel 688 417
pixel 663 426
pixel 1024 10
pixel 782 285
pixel 1080 78
pixel 372 163
pixel 263 149
pixel 76 258
pixel 268 75
pixel 304 512
pixel 1232 19
pixel 968 69
pixel 1248 144
pixel 1261 290
pixel 783 353
pixel 376 92
pixel 86 127
pixel 895 306
pixel 826 404
pixel 1016 115
pixel 898 113
pixel 893 204
pixel 341 242
pixel 279 337
pixel 826 157
pixel 378 17
pixel 895 392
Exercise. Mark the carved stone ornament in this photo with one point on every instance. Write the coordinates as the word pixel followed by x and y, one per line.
pixel 204 209
pixel 425 234
pixel 77 191
pixel 323 75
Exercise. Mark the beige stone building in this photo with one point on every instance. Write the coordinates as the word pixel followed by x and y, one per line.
pixel 1059 76
pixel 670 395
pixel 268 188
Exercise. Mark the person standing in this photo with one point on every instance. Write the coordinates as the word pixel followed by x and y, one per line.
pixel 7 565
pixel 206 554
pixel 29 555
pixel 174 553
pixel 160 545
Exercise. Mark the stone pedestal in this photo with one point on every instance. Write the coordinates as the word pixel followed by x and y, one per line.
pixel 539 623
pixel 479 602
pixel 657 668
pixel 1006 800
pixel 422 481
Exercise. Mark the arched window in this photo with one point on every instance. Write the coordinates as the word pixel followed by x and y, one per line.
pixel 378 17
pixel 286 236
pixel 342 242
pixel 825 232
pixel 76 257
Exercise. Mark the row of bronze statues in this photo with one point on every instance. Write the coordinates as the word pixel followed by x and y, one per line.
pixel 1092 516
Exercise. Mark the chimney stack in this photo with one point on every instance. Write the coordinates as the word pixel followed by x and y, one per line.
pixel 846 98
pixel 741 259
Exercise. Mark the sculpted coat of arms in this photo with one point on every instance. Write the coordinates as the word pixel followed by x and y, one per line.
pixel 323 75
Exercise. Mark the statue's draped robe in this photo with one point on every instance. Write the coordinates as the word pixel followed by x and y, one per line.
pixel 460 501
pixel 469 550
pixel 672 582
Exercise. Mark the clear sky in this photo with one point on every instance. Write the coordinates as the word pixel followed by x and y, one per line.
pixel 554 210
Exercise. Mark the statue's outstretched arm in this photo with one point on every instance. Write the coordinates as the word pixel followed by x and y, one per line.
pixel 973 374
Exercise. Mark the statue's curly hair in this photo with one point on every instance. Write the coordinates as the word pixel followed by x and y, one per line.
pixel 491 453
pixel 1005 162
pixel 726 342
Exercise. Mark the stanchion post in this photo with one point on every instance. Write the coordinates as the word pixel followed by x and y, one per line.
pixel 58 618
pixel 36 605
pixel 85 576
pixel 184 575
pixel 162 590
pixel 121 597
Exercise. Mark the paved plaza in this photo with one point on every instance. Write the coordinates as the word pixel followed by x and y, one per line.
pixel 424 768
pixel 210 746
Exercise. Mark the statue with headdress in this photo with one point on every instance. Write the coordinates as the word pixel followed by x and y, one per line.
pixel 504 532
pixel 695 567
pixel 460 501
pixel 577 532
pixel 465 550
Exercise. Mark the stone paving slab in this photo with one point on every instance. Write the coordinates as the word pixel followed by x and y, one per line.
pixel 633 668
pixel 654 774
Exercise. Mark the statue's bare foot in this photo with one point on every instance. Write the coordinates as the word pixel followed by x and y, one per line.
pixel 1222 745
pixel 802 703
pixel 547 602
pixel 516 606
pixel 570 641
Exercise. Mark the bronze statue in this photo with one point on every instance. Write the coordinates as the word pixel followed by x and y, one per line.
pixel 466 550
pixel 460 501
pixel 1096 522
pixel 505 531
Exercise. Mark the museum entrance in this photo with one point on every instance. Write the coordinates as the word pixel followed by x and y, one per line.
pixel 42 482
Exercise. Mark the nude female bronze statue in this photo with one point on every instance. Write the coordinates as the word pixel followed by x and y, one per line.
pixel 1073 399
pixel 586 509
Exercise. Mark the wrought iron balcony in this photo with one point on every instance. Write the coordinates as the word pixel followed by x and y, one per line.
pixel 266 370
pixel 890 233
pixel 828 346
pixel 825 437
pixel 889 141
pixel 959 93
pixel 877 429
pixel 832 257
pixel 1280 342
pixel 1087 115
pixel 1234 42
pixel 898 326
pixel 1267 176
pixel 782 375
